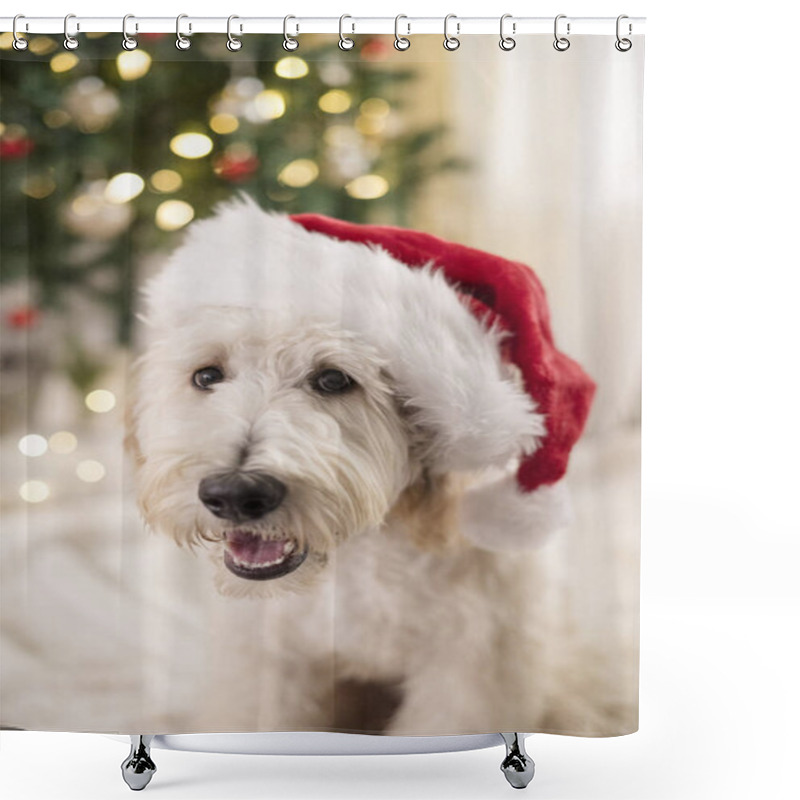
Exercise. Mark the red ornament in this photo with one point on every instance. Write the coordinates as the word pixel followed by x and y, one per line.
pixel 235 168
pixel 150 36
pixel 11 149
pixel 375 49
pixel 22 317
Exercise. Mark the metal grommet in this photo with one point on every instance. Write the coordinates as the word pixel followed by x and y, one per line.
pixel 451 42
pixel 506 42
pixel 129 42
pixel 561 43
pixel 181 42
pixel 623 44
pixel 345 43
pixel 233 44
pixel 400 42
pixel 70 42
pixel 289 42
pixel 19 43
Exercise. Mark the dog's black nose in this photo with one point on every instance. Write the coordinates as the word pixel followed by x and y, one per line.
pixel 241 496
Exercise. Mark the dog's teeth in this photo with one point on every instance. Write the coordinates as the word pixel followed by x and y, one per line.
pixel 288 547
pixel 251 565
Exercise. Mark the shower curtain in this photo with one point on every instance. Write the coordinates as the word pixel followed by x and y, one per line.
pixel 320 385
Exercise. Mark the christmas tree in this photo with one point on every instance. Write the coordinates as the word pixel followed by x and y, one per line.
pixel 105 153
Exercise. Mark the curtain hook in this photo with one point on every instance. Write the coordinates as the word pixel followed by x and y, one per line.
pixel 507 42
pixel 19 43
pixel 70 42
pixel 289 42
pixel 233 44
pixel 623 45
pixel 451 42
pixel 561 43
pixel 129 42
pixel 345 43
pixel 181 42
pixel 400 42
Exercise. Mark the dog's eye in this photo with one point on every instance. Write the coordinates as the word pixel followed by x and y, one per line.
pixel 203 378
pixel 332 381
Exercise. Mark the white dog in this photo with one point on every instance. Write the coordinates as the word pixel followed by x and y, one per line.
pixel 340 432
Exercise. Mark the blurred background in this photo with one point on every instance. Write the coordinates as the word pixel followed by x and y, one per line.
pixel 106 155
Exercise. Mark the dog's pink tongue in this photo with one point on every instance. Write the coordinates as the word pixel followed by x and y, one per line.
pixel 253 549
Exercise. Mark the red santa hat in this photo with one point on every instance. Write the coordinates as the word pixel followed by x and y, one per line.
pixel 467 335
pixel 506 295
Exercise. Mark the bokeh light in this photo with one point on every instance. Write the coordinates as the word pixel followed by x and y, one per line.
pixel 63 442
pixel 291 67
pixel 90 471
pixel 100 401
pixel 173 214
pixel 299 173
pixel 63 62
pixel 223 123
pixel 122 188
pixel 166 180
pixel 34 491
pixel 133 64
pixel 191 145
pixel 32 445
pixel 367 187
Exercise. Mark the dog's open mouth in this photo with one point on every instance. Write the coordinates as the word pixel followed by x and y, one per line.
pixel 250 556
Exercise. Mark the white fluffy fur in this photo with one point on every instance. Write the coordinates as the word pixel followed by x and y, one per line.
pixel 444 363
pixel 497 516
pixel 375 482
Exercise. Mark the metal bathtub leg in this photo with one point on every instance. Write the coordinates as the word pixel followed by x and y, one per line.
pixel 517 766
pixel 138 768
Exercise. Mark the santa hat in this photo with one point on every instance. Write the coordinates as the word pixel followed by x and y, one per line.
pixel 466 335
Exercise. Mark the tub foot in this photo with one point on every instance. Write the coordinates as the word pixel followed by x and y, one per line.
pixel 138 768
pixel 517 766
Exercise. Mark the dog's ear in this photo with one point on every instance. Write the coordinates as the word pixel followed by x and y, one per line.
pixel 428 511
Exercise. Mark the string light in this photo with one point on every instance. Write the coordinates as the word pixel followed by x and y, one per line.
pixel 122 188
pixel 370 126
pixel 63 62
pixel 173 214
pixel 133 64
pixel 34 491
pixel 299 173
pixel 266 105
pixel 100 401
pixel 291 67
pixel 56 118
pixel 336 101
pixel 32 445
pixel 38 186
pixel 90 471
pixel 191 145
pixel 166 180
pixel 63 442
pixel 42 45
pixel 223 123
pixel 375 107
pixel 367 187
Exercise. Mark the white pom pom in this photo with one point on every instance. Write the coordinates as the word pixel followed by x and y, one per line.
pixel 498 516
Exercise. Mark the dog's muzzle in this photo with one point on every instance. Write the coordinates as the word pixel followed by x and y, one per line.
pixel 246 496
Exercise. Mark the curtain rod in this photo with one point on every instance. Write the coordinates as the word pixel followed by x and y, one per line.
pixel 407 26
